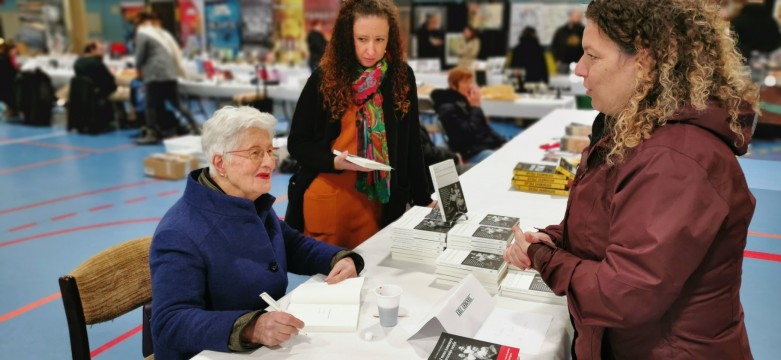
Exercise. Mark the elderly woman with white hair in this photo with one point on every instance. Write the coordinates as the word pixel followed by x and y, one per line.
pixel 222 244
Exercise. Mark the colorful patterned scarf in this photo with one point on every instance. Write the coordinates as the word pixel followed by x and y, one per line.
pixel 370 132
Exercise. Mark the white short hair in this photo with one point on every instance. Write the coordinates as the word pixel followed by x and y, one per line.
pixel 223 131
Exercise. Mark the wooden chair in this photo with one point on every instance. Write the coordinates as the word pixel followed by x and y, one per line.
pixel 106 286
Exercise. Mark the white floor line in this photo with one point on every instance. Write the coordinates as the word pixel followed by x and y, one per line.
pixel 36 137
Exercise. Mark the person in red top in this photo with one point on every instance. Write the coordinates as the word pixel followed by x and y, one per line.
pixel 650 250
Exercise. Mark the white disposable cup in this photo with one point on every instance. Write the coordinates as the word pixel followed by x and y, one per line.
pixel 388 297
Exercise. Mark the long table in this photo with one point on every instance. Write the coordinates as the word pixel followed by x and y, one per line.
pixel 487 189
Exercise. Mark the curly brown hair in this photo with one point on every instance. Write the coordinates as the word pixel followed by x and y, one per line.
pixel 340 65
pixel 692 61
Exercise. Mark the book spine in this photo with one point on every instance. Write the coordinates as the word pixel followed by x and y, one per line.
pixel 552 180
pixel 542 190
pixel 539 174
pixel 566 168
pixel 542 184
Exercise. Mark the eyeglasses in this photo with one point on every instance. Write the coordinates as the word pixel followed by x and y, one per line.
pixel 257 154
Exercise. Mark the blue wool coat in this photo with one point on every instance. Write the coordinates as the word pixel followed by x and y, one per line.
pixel 211 255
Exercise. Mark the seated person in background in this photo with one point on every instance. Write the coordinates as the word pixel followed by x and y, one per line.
pixel 530 56
pixel 91 66
pixel 466 126
pixel 222 244
pixel 433 154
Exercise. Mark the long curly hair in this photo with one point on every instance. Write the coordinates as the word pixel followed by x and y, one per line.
pixel 692 61
pixel 340 65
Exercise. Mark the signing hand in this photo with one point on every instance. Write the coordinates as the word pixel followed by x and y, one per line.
pixel 344 269
pixel 341 163
pixel 273 328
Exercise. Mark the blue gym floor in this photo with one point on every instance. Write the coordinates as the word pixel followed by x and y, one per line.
pixel 68 196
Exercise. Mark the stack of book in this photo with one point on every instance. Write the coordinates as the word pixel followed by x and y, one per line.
pixel 418 236
pixel 454 265
pixel 576 137
pixel 553 179
pixel 487 233
pixel 528 285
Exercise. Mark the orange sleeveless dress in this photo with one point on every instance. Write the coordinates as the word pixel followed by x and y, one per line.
pixel 334 211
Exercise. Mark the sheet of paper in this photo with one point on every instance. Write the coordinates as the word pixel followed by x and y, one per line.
pixel 370 164
pixel 524 330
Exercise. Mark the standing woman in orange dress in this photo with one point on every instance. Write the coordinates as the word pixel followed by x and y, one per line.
pixel 361 100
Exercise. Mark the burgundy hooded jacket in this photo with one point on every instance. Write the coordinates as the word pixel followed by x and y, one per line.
pixel 651 251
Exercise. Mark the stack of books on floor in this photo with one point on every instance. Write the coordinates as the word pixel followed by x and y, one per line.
pixel 454 265
pixel 528 285
pixel 418 236
pixel 553 179
pixel 487 233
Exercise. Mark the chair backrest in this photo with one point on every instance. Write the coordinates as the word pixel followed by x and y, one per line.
pixel 107 285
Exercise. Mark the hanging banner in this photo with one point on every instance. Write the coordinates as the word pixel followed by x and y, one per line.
pixel 223 21
pixel 191 26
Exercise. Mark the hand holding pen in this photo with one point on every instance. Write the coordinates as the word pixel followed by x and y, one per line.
pixel 273 328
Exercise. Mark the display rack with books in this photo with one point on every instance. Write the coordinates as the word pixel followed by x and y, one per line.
pixel 454 265
pixel 553 179
pixel 487 233
pixel 418 236
pixel 528 285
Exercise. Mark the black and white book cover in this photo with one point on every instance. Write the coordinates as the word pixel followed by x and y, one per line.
pixel 483 260
pixel 448 188
pixel 499 221
pixel 493 233
pixel 433 226
pixel 539 285
pixel 454 347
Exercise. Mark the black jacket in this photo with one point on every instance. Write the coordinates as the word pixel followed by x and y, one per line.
pixel 467 131
pixel 312 135
pixel 94 68
pixel 567 41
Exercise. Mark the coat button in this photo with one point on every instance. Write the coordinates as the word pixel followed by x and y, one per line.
pixel 273 267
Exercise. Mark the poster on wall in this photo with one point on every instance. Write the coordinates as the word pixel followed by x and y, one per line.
pixel 290 44
pixel 486 16
pixel 223 23
pixel 545 18
pixel 323 10
pixel 129 11
pixel 452 41
pixel 257 27
pixel 191 26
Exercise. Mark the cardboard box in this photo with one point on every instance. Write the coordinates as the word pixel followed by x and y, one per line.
pixel 169 166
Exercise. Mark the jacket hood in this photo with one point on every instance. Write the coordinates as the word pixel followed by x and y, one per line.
pixel 444 96
pixel 715 119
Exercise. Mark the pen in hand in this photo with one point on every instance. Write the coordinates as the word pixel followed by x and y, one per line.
pixel 274 305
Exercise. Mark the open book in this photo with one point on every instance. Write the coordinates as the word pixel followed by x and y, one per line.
pixel 370 164
pixel 452 202
pixel 328 308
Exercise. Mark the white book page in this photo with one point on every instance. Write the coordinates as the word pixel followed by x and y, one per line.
pixel 369 164
pixel 326 317
pixel 347 291
pixel 524 330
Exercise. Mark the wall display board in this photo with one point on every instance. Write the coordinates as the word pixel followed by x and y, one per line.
pixel 545 18
pixel 191 26
pixel 223 22
pixel 257 25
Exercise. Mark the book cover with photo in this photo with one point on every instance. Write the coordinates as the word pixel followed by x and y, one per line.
pixel 433 226
pixel 483 260
pixel 500 221
pixel 454 347
pixel 448 188
pixel 493 233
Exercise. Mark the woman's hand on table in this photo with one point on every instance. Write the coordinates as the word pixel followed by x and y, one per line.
pixel 343 269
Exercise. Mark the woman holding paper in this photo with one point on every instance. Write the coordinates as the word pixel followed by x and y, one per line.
pixel 650 250
pixel 222 244
pixel 362 100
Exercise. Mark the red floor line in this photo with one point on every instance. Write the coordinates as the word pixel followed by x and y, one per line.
pixel 41 163
pixel 774 236
pixel 61 146
pixel 101 207
pixel 63 216
pixel 22 227
pixel 88 193
pixel 29 307
pixel 135 200
pixel 79 228
pixel 762 256
pixel 115 341
pixel 166 193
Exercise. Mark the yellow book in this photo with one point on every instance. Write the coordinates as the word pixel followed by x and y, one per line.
pixel 541 184
pixel 542 190
pixel 538 170
pixel 547 180
pixel 566 168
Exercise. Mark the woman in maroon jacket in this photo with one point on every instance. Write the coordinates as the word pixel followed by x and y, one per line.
pixel 650 250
